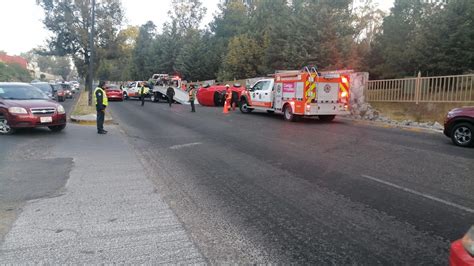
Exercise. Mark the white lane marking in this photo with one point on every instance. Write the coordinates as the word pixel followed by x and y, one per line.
pixel 420 194
pixel 177 147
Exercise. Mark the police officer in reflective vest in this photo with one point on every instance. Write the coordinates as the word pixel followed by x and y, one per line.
pixel 143 91
pixel 101 102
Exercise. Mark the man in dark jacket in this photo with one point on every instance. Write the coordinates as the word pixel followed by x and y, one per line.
pixel 192 97
pixel 170 95
pixel 101 103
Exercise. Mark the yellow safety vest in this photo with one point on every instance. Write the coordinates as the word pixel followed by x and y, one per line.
pixel 191 94
pixel 146 90
pixel 105 100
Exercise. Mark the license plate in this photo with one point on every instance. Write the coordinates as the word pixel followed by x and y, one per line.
pixel 47 119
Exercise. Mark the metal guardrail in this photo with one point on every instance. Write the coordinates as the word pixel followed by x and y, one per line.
pixel 442 89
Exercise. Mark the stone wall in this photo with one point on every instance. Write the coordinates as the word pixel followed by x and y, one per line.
pixel 405 114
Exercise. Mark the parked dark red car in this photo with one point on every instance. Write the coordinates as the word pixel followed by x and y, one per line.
pixel 113 92
pixel 462 250
pixel 215 95
pixel 25 106
pixel 459 126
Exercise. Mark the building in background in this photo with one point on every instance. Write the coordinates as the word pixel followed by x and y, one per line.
pixel 8 59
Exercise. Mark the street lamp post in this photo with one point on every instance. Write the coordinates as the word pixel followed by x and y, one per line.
pixel 91 57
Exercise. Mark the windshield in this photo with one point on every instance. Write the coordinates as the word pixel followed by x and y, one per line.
pixel 65 86
pixel 44 87
pixel 112 87
pixel 21 93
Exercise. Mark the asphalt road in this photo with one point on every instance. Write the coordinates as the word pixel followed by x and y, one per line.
pixel 251 188
pixel 28 171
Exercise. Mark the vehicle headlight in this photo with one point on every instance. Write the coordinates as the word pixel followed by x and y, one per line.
pixel 450 114
pixel 61 110
pixel 17 110
pixel 468 241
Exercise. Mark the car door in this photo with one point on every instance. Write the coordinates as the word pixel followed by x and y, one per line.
pixel 267 93
pixel 261 93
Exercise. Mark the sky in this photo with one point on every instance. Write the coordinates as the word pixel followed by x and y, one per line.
pixel 21 28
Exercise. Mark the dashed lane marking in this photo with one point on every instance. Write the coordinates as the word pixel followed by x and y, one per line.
pixel 466 209
pixel 177 147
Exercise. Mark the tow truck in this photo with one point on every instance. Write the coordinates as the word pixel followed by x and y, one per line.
pixel 299 93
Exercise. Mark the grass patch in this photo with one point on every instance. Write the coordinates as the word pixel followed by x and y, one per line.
pixel 82 107
pixel 422 112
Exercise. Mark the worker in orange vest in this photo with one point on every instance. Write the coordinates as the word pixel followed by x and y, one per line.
pixel 228 96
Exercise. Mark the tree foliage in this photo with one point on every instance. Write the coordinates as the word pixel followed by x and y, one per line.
pixel 431 37
pixel 256 37
pixel 13 72
pixel 70 22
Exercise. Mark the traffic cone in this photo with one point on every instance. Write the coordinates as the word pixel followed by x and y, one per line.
pixel 226 108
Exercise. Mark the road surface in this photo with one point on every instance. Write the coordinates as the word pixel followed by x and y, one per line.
pixel 182 187
pixel 25 173
pixel 251 188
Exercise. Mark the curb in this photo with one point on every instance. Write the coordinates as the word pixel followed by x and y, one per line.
pixel 88 121
pixel 387 125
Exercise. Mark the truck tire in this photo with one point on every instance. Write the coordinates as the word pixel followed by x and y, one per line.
pixel 326 118
pixel 244 107
pixel 288 114
pixel 154 97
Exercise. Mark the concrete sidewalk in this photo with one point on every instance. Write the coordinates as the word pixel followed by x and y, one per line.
pixel 109 212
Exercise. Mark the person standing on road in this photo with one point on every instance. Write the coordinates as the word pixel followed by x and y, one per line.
pixel 170 95
pixel 228 96
pixel 142 92
pixel 150 85
pixel 101 102
pixel 192 97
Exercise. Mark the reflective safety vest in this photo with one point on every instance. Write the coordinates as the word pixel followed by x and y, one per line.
pixel 145 90
pixel 191 95
pixel 105 100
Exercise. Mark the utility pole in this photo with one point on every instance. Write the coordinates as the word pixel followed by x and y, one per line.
pixel 91 57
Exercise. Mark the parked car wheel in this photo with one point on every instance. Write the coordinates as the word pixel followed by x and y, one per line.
pixel 5 129
pixel 57 128
pixel 462 134
pixel 326 118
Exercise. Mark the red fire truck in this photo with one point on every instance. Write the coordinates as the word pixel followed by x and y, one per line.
pixel 299 93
